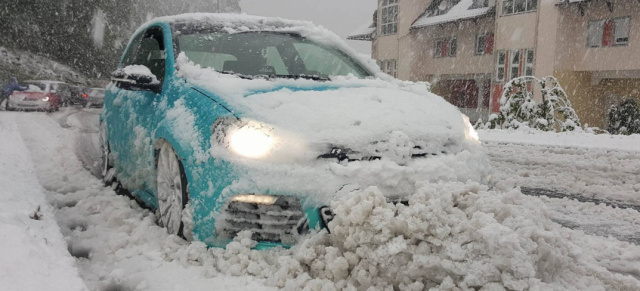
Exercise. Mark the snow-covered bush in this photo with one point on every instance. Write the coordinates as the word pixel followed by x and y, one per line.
pixel 519 109
pixel 624 118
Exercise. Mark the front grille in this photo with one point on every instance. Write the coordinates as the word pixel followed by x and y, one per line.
pixel 281 222
pixel 381 150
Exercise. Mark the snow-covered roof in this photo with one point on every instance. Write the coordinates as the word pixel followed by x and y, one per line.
pixel 364 32
pixel 571 1
pixel 463 10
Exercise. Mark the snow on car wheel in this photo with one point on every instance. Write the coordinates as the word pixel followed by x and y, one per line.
pixel 172 190
pixel 108 171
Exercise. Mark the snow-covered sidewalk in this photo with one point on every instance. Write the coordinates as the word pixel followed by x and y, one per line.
pixel 579 140
pixel 33 251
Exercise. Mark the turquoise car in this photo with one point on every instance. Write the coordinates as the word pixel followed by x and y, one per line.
pixel 229 123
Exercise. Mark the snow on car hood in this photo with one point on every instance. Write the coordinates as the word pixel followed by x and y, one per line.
pixel 347 111
pixel 355 116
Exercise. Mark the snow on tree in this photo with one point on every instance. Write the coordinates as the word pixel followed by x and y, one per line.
pixel 519 109
pixel 624 118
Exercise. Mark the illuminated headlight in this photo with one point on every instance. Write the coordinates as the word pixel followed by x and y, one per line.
pixel 250 141
pixel 473 134
pixel 470 132
pixel 256 140
pixel 45 99
pixel 255 199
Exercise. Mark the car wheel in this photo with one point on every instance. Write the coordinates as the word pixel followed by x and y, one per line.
pixel 172 190
pixel 7 107
pixel 108 171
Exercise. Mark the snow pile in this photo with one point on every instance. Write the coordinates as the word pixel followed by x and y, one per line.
pixel 33 251
pixel 450 237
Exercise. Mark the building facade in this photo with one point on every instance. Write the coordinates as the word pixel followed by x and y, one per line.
pixel 468 49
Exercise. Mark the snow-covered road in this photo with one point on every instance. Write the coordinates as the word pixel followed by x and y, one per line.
pixel 600 175
pixel 118 246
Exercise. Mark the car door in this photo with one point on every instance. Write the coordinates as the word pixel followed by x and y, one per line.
pixel 133 114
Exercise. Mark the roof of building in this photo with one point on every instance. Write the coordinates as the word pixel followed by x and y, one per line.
pixel 365 32
pixel 570 1
pixel 465 9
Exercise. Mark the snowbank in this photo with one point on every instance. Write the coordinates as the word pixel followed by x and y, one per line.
pixel 562 139
pixel 33 251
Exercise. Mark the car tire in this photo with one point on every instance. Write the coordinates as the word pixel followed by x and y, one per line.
pixel 172 190
pixel 108 171
pixel 7 107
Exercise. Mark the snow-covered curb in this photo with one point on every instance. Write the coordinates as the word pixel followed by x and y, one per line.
pixel 34 253
pixel 563 139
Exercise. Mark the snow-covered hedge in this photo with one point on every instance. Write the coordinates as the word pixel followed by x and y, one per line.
pixel 519 109
pixel 625 117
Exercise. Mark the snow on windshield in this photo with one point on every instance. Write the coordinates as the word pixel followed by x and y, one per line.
pixel 36 87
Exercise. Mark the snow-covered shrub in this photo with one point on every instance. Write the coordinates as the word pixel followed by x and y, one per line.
pixel 624 118
pixel 519 109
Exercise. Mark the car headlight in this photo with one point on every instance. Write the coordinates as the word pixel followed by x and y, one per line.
pixel 45 99
pixel 256 140
pixel 250 141
pixel 470 132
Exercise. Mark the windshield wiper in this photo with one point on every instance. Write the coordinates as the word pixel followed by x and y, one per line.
pixel 248 77
pixel 308 77
pixel 241 76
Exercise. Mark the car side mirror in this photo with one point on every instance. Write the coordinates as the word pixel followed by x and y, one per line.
pixel 136 78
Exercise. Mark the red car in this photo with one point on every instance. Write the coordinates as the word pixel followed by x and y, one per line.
pixel 41 96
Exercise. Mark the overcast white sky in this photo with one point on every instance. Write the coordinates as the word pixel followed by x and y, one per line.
pixel 340 16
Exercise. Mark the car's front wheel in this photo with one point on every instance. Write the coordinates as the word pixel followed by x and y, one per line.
pixel 172 190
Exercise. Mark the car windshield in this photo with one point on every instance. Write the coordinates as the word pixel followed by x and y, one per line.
pixel 35 86
pixel 267 54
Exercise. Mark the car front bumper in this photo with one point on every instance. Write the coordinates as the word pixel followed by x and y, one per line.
pixel 28 105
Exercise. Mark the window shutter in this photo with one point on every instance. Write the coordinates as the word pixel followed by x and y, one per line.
pixel 607 33
pixel 488 44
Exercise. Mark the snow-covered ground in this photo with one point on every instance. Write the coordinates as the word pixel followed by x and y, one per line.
pixel 449 236
pixel 23 63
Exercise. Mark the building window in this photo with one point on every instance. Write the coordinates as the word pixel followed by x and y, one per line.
pixel 445 47
pixel 389 15
pixel 518 6
pixel 484 44
pixel 389 67
pixel 520 63
pixel 528 67
pixel 608 32
pixel 514 68
pixel 501 64
pixel 479 4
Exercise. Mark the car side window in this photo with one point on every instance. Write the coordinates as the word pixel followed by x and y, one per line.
pixel 148 49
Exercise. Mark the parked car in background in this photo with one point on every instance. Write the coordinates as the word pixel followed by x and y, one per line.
pixel 230 123
pixel 78 95
pixel 41 96
pixel 95 97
